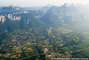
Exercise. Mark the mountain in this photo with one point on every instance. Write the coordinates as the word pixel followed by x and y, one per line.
pixel 61 29
pixel 71 16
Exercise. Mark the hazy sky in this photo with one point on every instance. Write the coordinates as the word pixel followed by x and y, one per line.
pixel 30 3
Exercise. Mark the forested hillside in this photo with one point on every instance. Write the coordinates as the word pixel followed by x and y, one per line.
pixel 44 33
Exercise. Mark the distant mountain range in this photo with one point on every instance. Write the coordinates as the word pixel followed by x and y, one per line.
pixel 41 19
pixel 67 14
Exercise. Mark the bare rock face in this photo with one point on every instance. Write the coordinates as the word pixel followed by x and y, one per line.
pixel 11 17
pixel 2 18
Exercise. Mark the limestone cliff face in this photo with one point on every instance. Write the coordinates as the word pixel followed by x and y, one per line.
pixel 2 18
pixel 11 17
